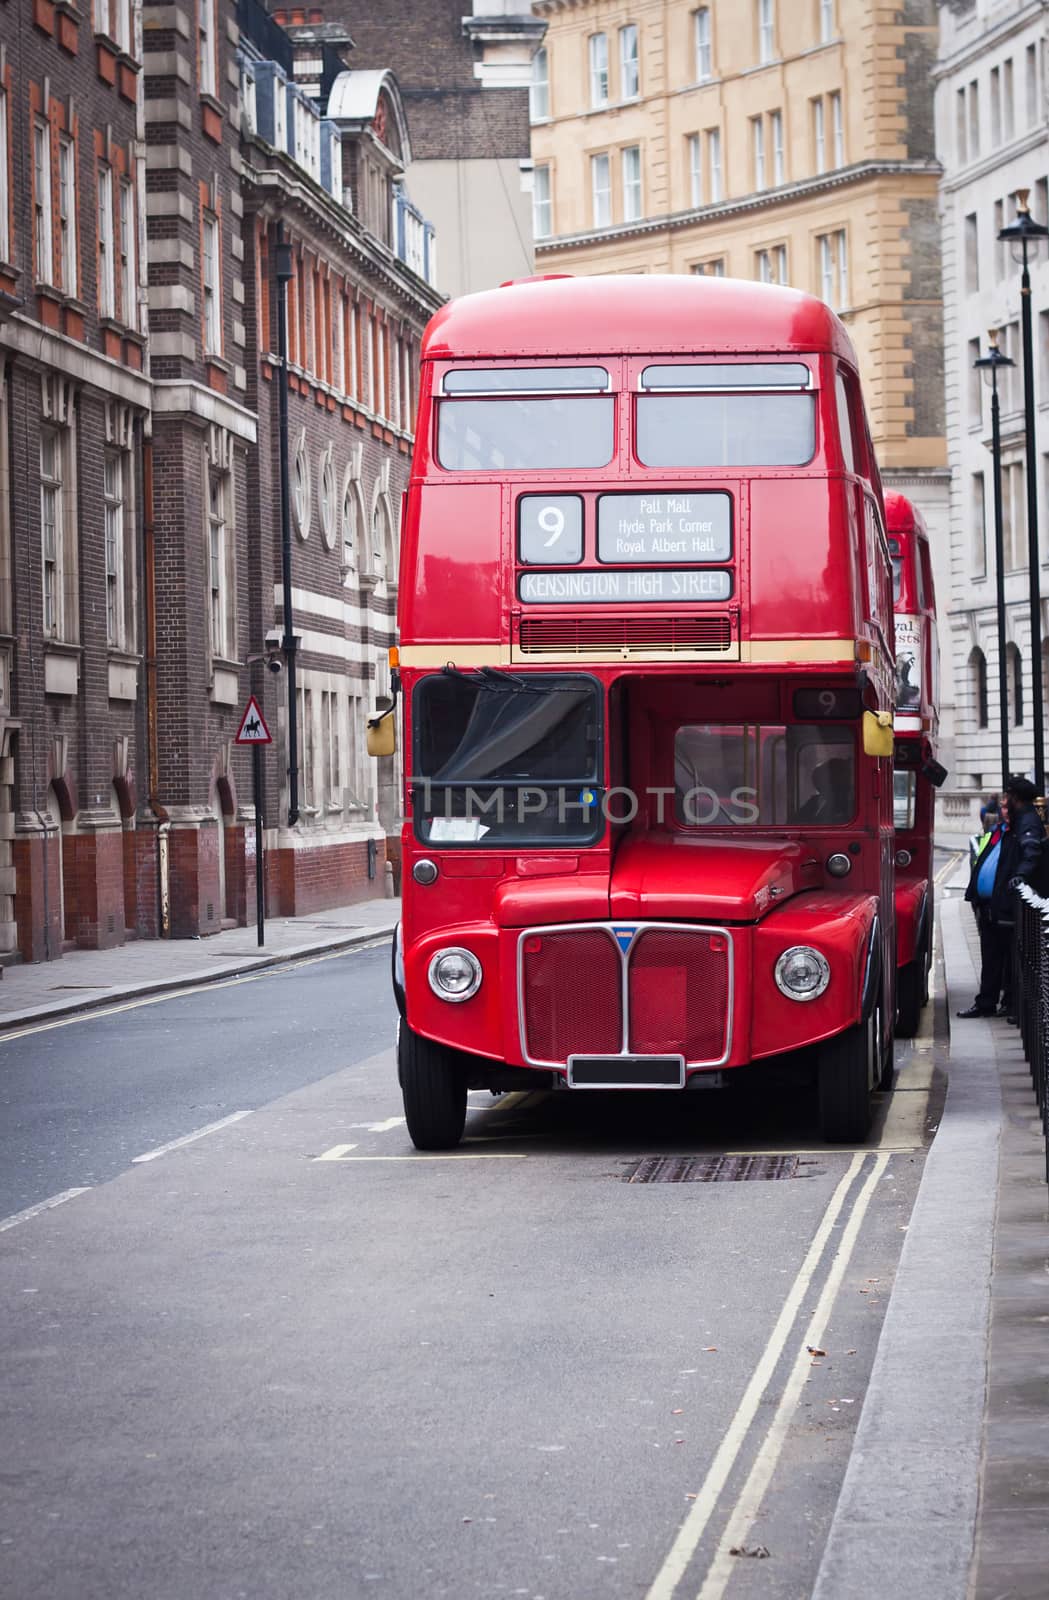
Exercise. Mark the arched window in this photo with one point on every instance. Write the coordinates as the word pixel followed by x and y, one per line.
pixel 978 678
pixel 1014 663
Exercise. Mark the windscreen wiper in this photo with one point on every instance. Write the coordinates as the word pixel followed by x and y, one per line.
pixel 496 679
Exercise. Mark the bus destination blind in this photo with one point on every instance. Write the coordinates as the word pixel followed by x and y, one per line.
pixel 624 588
pixel 644 529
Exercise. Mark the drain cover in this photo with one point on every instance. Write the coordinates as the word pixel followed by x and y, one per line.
pixel 711 1169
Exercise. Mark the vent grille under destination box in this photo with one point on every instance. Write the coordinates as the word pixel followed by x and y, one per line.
pixel 665 635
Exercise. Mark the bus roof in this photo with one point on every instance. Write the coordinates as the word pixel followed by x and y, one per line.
pixel 903 517
pixel 633 314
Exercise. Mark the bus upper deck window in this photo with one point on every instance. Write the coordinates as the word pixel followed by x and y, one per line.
pixel 897 569
pixel 519 419
pixel 748 414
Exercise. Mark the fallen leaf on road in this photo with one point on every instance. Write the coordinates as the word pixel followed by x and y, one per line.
pixel 758 1550
pixel 678 1413
pixel 814 1351
pixel 709 1349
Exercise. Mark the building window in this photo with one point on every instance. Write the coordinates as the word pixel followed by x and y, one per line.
pixel 978 670
pixel 128 256
pixel 714 164
pixel 972 254
pixel 629 64
pixel 771 265
pixel 306 751
pixel 632 183
pixel 601 191
pixel 776 135
pixel 999 247
pixel 210 282
pixel 695 170
pixel 326 498
pixel 542 209
pixel 67 218
pixel 207 43
pixel 766 40
pixel 996 107
pixel 249 99
pixel 122 24
pixel 349 526
pixel 113 500
pixel 837 128
pixel 979 527
pixel 1008 103
pixel 975 387
pixel 704 53
pixel 598 48
pixel 757 145
pixel 1014 516
pixel 960 129
pixel 5 192
pixel 220 565
pixel 300 488
pixel 51 530
pixel 331 756
pixel 106 264
pixel 710 269
pixel 826 21
pixel 819 136
pixel 1031 76
pixel 974 120
pixel 42 201
pixel 834 268
pixel 539 93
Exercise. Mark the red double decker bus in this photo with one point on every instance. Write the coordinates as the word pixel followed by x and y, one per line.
pixel 917 773
pixel 646 654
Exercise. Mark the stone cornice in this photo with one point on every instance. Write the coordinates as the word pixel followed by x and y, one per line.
pixel 183 398
pixel 44 348
pixel 765 200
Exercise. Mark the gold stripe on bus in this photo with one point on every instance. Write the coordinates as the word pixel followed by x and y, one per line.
pixel 775 651
pixel 459 655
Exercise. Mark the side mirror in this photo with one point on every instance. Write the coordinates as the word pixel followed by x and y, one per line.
pixel 935 774
pixel 878 737
pixel 382 733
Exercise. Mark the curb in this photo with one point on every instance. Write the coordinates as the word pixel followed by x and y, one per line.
pixel 905 1521
pixel 237 969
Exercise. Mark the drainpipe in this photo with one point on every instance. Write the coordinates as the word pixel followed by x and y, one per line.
pixel 149 561
pixel 284 272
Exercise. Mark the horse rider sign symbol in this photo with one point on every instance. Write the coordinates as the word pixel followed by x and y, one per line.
pixel 253 729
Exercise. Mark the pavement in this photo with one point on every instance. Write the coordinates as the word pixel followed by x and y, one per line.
pixel 946 1494
pixel 85 979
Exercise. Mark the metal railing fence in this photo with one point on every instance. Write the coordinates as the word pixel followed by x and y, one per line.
pixel 1031 990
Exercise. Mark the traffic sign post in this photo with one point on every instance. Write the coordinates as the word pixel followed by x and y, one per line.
pixel 253 731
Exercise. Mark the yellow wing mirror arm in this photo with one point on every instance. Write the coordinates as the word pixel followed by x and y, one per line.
pixel 878 737
pixel 381 733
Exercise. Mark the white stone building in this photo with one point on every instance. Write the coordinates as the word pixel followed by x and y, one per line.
pixel 992 138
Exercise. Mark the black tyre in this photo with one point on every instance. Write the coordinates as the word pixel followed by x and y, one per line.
pixel 910 996
pixel 433 1085
pixel 845 1067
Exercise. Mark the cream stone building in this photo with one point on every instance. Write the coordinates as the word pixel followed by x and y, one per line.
pixel 787 140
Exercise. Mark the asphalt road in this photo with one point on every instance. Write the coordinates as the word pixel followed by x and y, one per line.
pixel 292 1358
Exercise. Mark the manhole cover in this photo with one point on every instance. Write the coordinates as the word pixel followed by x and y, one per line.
pixel 711 1169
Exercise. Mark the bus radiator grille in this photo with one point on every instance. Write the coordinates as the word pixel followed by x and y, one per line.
pixel 573 996
pixel 679 988
pixel 549 635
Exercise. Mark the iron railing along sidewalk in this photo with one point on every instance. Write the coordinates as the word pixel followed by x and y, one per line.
pixel 1031 980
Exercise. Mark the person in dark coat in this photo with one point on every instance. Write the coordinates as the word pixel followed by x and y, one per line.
pixel 1012 856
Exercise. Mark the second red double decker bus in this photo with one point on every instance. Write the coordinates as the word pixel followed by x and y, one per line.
pixel 647 664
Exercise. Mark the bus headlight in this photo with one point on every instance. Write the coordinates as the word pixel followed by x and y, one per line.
pixel 802 973
pixel 454 974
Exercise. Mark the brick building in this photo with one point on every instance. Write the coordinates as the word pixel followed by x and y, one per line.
pixel 140 198
pixel 74 415
pixel 464 70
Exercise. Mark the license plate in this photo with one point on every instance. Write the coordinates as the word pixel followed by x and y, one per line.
pixel 626 1072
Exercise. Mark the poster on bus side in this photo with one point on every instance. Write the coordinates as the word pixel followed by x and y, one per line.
pixel 908 663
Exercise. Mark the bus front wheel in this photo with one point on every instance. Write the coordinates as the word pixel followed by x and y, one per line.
pixel 433 1085
pixel 845 1068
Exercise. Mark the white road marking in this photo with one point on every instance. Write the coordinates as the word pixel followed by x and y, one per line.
pixel 379 1127
pixel 338 1152
pixel 41 1206
pixel 753 1491
pixel 188 1138
pixel 422 1155
pixel 694 1525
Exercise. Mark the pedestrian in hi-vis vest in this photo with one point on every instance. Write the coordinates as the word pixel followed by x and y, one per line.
pixel 990 815
pixel 1009 855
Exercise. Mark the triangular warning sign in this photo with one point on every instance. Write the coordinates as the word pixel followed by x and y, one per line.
pixel 253 729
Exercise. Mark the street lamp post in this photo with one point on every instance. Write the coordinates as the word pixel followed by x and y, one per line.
pixel 989 367
pixel 284 271
pixel 1024 236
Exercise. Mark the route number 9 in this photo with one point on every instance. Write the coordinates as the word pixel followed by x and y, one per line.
pixel 550 530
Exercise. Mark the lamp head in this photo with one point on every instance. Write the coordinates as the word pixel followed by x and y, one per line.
pixel 1024 233
pixel 994 361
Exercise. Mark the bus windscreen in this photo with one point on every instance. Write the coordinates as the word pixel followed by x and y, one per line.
pixel 726 430
pixel 733 775
pixel 522 435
